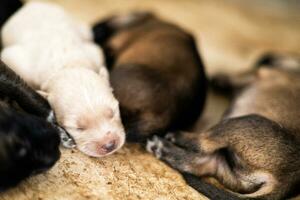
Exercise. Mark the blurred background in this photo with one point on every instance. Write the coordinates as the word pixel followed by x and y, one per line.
pixel 231 34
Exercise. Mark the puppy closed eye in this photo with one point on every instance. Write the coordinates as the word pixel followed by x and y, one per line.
pixel 80 129
pixel 76 128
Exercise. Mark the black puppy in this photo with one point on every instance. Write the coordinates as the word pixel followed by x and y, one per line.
pixel 28 143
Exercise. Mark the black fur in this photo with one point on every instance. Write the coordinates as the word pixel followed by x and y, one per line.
pixel 7 8
pixel 102 32
pixel 14 88
pixel 207 189
pixel 28 144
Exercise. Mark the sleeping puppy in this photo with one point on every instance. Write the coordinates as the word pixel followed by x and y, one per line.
pixel 28 143
pixel 156 73
pixel 254 151
pixel 55 55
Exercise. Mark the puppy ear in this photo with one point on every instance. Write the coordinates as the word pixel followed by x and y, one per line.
pixel 43 94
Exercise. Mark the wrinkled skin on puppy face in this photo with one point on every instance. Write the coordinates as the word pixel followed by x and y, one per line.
pixel 28 145
pixel 254 151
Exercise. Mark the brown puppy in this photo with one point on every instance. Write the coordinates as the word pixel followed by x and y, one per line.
pixel 156 73
pixel 255 150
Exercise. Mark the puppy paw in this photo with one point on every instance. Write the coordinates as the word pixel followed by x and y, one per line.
pixel 170 137
pixel 51 117
pixel 171 154
pixel 161 147
pixel 66 140
pixel 155 146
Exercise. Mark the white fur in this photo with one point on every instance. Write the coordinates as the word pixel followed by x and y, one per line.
pixel 155 142
pixel 260 177
pixel 56 55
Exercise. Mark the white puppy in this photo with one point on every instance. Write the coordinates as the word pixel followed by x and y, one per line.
pixel 56 55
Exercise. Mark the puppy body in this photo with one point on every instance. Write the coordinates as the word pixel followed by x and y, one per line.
pixel 156 73
pixel 54 54
pixel 28 144
pixel 254 151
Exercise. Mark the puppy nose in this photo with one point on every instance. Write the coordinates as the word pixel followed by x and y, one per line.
pixel 110 146
pixel 103 146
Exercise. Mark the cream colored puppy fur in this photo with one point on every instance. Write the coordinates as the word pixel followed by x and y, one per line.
pixel 56 55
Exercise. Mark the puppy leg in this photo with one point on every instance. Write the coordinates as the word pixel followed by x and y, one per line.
pixel 178 158
pixel 66 139
pixel 208 161
pixel 186 140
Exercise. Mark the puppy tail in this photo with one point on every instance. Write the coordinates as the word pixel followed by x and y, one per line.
pixel 207 189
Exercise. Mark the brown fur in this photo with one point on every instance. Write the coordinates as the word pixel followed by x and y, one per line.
pixel 156 73
pixel 254 151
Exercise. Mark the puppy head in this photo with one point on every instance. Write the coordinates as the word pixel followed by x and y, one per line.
pixel 27 145
pixel 86 107
pixel 100 132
